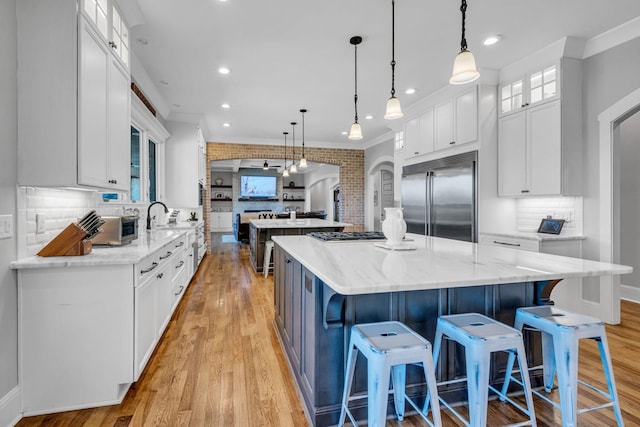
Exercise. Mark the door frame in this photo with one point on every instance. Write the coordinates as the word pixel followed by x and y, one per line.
pixel 608 309
pixel 383 162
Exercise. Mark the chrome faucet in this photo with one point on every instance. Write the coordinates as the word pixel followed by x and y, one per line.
pixel 166 210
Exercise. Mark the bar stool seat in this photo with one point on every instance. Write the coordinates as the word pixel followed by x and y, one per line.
pixel 388 347
pixel 266 263
pixel 481 336
pixel 561 330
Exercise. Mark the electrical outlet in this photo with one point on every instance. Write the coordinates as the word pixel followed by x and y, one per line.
pixel 6 226
pixel 41 220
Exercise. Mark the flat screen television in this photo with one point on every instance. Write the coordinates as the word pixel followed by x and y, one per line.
pixel 257 187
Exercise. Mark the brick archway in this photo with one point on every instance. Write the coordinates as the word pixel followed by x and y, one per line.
pixel 351 163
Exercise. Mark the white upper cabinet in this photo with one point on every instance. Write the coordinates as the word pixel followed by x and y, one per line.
pixel 456 120
pixel 184 165
pixel 532 88
pixel 418 134
pixel 540 133
pixel 80 100
pixel 107 20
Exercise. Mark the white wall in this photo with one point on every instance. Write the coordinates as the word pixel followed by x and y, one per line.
pixel 607 78
pixel 9 398
pixel 630 199
pixel 374 157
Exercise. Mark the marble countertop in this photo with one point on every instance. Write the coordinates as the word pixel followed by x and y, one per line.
pixel 537 236
pixel 147 243
pixel 296 223
pixel 361 267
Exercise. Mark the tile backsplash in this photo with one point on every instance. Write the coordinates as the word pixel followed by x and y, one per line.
pixel 531 210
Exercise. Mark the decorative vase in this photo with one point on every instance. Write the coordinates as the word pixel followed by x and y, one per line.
pixel 394 227
pixel 219 181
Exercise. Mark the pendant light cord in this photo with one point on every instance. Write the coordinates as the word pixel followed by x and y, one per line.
pixel 355 95
pixel 293 138
pixel 285 148
pixel 463 9
pixel 393 48
pixel 303 111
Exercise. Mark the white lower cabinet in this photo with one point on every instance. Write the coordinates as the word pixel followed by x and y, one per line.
pixel 221 221
pixel 567 293
pixel 87 332
pixel 76 336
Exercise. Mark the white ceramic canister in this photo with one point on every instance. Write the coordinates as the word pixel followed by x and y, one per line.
pixel 394 227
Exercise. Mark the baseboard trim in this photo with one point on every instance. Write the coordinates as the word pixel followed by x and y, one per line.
pixel 591 308
pixel 630 293
pixel 10 408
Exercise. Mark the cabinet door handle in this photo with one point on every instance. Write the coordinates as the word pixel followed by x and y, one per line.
pixel 113 45
pixel 180 291
pixel 179 244
pixel 167 255
pixel 524 191
pixel 506 243
pixel 113 181
pixel 287 260
pixel 180 265
pixel 160 276
pixel 153 265
pixel 452 142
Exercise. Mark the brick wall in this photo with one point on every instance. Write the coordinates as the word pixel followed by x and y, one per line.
pixel 351 163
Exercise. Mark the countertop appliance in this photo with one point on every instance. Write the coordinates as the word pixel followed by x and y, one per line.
pixel 439 197
pixel 117 231
pixel 330 236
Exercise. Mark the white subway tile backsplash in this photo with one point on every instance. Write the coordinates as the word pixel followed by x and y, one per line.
pixel 530 211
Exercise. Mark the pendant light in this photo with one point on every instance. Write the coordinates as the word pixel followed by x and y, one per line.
pixel 394 111
pixel 265 166
pixel 285 172
pixel 303 161
pixel 293 168
pixel 464 66
pixel 356 130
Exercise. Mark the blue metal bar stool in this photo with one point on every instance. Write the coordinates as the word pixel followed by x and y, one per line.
pixel 481 336
pixel 561 330
pixel 388 347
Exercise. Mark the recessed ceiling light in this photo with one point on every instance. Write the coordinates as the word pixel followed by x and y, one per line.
pixel 224 70
pixel 491 40
pixel 163 82
pixel 226 106
pixel 226 125
pixel 369 117
pixel 410 91
pixel 345 133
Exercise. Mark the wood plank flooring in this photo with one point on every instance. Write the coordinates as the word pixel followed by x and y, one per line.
pixel 219 363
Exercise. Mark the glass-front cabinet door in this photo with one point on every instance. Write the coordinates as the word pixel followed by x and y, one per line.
pixel 537 86
pixel 105 17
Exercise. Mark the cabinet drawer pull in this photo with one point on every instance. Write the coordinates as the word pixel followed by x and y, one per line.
pixel 168 254
pixel 180 265
pixel 452 142
pixel 153 265
pixel 179 244
pixel 506 243
pixel 180 291
pixel 113 45
pixel 524 191
pixel 160 276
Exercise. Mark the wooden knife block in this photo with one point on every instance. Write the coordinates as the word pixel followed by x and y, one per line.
pixel 70 242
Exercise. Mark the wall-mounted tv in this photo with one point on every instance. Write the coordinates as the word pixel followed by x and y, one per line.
pixel 258 187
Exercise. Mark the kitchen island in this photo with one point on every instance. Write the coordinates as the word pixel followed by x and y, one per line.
pixel 261 230
pixel 321 289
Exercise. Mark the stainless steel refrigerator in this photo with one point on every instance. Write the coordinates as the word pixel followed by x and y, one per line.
pixel 439 197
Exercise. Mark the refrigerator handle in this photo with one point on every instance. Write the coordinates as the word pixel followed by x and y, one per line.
pixel 428 210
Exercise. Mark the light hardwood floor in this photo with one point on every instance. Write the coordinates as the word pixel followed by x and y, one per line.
pixel 219 363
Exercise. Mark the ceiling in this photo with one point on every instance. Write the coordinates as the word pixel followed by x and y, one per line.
pixel 290 54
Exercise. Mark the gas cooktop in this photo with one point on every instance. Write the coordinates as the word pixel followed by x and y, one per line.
pixel 347 235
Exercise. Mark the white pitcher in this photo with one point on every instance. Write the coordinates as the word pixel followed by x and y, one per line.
pixel 394 227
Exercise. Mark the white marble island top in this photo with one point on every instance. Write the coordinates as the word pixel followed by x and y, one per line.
pixel 360 267
pixel 147 243
pixel 296 223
